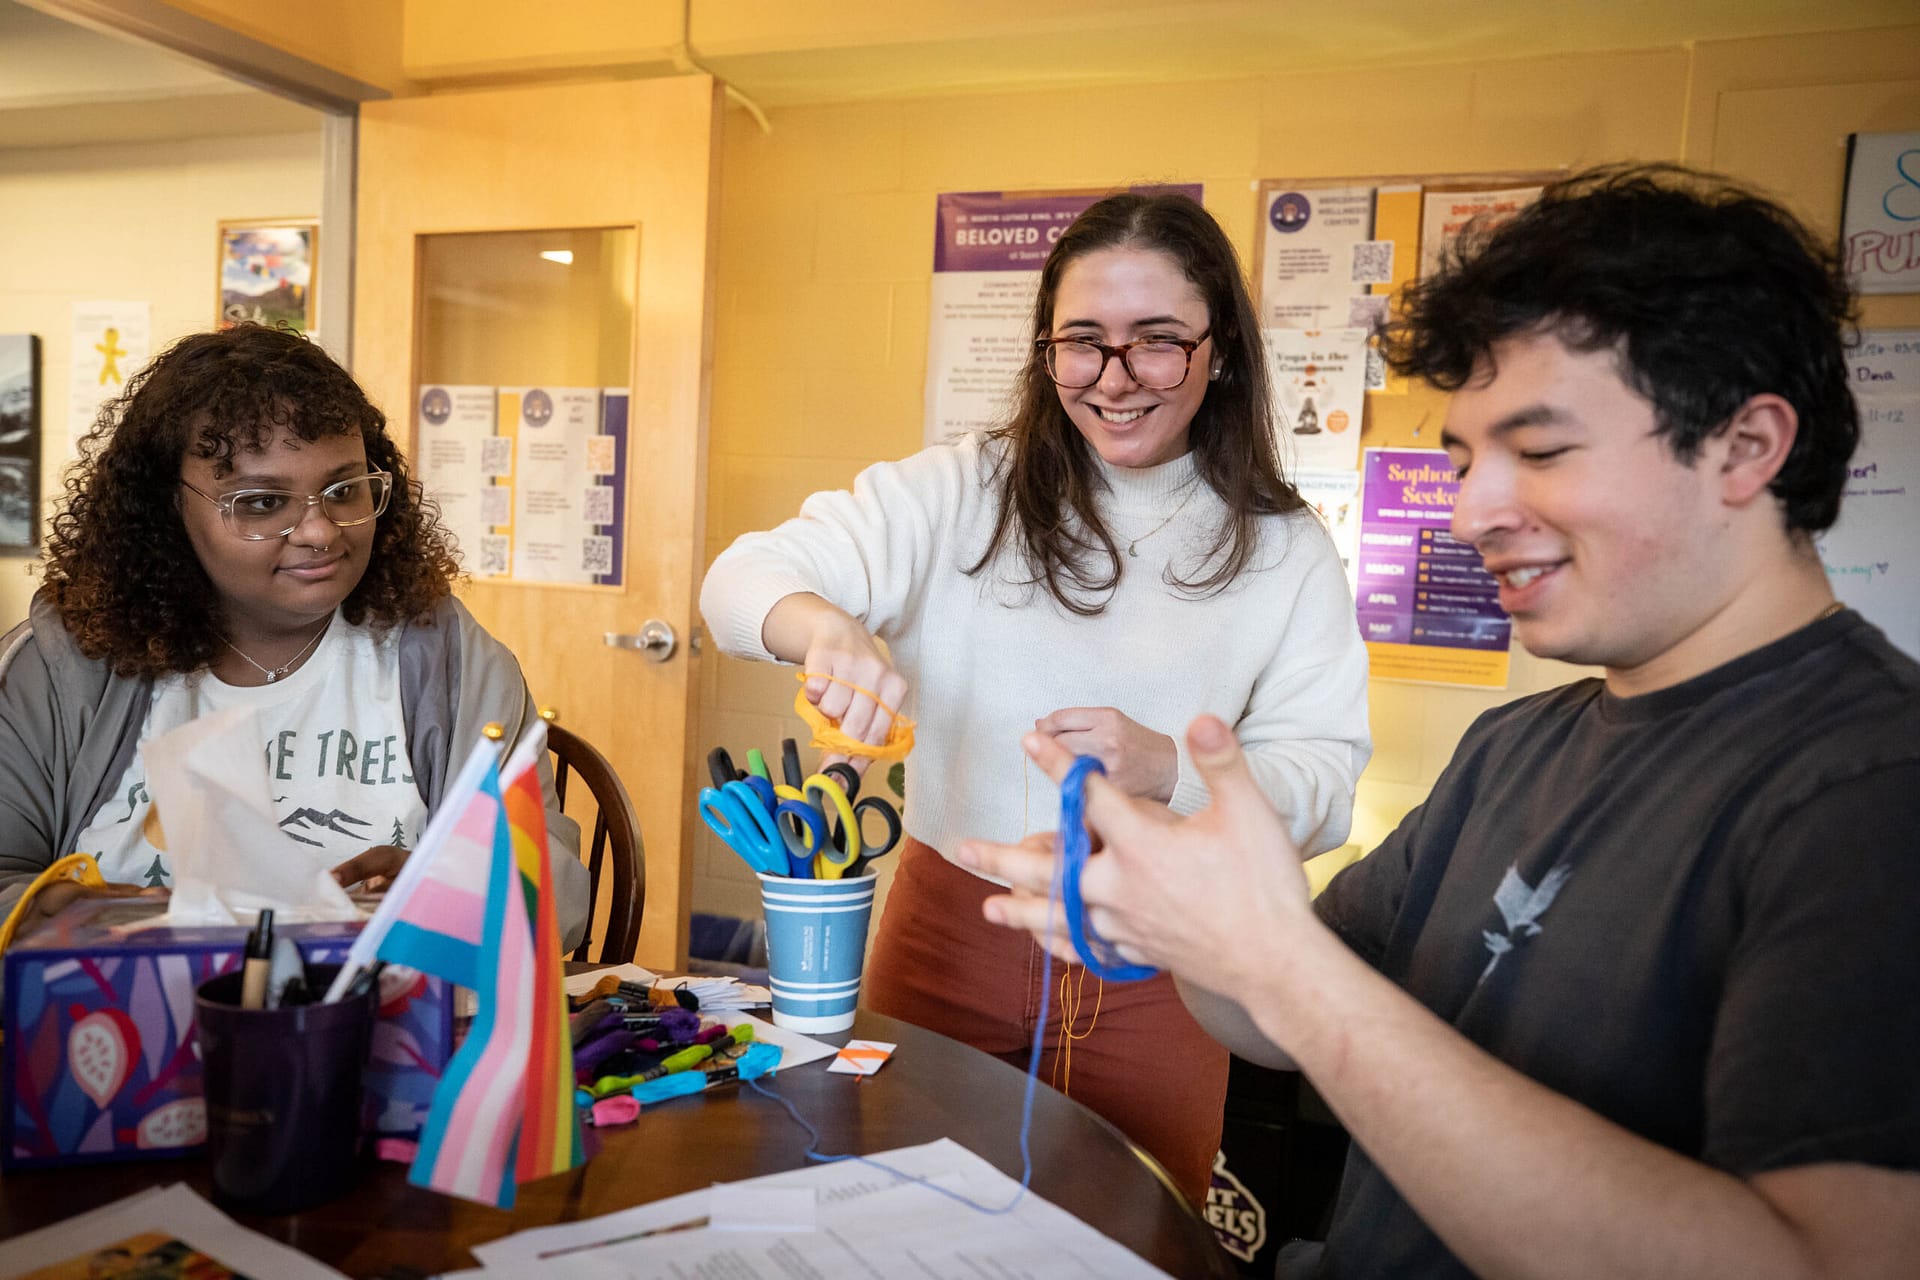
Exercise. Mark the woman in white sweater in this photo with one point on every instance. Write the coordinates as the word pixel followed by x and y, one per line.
pixel 1121 557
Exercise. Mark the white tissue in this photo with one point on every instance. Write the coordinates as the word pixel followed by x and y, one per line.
pixel 209 784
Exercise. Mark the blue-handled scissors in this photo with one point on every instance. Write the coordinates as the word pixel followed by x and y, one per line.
pixel 735 814
pixel 805 837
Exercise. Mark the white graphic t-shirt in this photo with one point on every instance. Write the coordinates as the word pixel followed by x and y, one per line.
pixel 334 735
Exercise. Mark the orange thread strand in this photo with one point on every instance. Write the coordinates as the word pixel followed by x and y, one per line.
pixel 1070 1006
pixel 826 732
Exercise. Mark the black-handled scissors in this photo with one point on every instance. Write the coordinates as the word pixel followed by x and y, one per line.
pixel 847 776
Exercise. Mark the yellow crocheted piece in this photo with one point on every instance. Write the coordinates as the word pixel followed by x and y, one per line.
pixel 827 735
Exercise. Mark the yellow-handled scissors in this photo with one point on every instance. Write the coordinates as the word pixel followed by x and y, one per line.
pixel 829 797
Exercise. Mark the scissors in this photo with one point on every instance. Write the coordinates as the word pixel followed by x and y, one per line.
pixel 849 779
pixel 825 794
pixel 849 852
pixel 737 816
pixel 805 837
pixel 740 816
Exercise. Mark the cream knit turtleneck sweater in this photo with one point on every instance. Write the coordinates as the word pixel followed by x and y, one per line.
pixel 1277 655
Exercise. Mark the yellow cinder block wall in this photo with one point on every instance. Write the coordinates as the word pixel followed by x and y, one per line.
pixel 132 222
pixel 825 255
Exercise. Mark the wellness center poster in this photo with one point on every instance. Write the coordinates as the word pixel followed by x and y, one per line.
pixel 1428 610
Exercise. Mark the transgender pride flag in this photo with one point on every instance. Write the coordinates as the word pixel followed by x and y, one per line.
pixel 474 905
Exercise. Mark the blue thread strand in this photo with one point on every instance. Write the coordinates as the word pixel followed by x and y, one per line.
pixel 814 1153
pixel 1063 889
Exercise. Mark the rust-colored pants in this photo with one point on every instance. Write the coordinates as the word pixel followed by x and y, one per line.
pixel 1147 1066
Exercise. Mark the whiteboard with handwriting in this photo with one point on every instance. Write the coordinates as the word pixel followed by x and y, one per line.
pixel 1873 554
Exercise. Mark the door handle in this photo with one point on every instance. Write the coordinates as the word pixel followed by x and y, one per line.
pixel 656 640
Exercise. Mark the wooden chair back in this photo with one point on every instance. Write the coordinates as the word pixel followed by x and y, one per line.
pixel 614 854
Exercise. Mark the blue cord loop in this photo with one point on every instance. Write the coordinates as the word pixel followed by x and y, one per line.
pixel 1099 955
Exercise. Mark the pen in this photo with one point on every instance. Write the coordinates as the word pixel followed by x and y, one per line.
pixel 366 980
pixel 253 978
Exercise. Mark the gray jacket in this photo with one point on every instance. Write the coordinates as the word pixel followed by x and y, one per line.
pixel 69 727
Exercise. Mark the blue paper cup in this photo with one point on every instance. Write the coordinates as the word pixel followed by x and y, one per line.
pixel 816 945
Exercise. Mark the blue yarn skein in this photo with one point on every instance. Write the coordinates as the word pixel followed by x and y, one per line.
pixel 1095 951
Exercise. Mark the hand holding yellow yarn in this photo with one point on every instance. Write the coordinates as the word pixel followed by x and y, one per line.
pixel 827 735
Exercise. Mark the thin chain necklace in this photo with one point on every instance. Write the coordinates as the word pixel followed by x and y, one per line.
pixel 275 673
pixel 1193 486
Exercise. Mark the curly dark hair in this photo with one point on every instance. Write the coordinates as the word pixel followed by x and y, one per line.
pixel 119 567
pixel 1711 293
pixel 1049 483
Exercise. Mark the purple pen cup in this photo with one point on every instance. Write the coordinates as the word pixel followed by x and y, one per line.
pixel 283 1093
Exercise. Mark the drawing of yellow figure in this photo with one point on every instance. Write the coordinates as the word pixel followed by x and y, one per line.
pixel 110 352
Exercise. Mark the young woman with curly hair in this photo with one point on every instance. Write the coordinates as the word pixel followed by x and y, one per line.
pixel 1124 554
pixel 242 531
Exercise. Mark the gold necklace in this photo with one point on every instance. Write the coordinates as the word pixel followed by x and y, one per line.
pixel 1193 486
pixel 1830 610
pixel 276 673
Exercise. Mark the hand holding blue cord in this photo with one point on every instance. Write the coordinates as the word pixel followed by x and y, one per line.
pixel 1190 894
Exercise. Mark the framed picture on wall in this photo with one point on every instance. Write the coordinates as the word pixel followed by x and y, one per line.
pixel 266 272
pixel 19 441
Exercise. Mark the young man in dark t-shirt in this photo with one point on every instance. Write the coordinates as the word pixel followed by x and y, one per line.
pixel 1637 990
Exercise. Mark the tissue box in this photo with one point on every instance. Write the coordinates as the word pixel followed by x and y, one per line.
pixel 100 1060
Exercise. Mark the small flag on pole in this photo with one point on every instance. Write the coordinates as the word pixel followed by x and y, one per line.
pixel 475 905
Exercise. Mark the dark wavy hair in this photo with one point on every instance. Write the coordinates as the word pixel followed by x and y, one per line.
pixel 119 567
pixel 1048 478
pixel 1710 292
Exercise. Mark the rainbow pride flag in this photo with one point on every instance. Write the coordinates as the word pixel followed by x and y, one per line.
pixel 475 905
pixel 550 1132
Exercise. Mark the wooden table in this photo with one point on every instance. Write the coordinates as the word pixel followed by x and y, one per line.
pixel 934 1087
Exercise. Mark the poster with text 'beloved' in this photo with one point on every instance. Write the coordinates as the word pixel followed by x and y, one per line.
pixel 988 249
pixel 1872 553
pixel 1428 610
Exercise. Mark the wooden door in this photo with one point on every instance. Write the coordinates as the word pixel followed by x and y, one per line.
pixel 637 155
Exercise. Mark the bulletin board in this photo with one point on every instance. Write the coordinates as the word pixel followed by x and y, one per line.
pixel 1360 444
pixel 1395 226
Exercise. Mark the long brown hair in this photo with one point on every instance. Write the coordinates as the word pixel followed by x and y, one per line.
pixel 119 568
pixel 1048 479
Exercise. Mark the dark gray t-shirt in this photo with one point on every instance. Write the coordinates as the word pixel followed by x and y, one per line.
pixel 1696 912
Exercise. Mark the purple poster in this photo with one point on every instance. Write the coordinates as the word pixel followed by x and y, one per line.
pixel 993 231
pixel 988 249
pixel 1428 611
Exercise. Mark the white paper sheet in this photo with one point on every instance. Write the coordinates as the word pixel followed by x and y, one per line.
pixel 868 1223
pixel 153 1218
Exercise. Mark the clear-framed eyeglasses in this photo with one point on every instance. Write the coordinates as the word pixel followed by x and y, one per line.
pixel 260 514
pixel 1158 364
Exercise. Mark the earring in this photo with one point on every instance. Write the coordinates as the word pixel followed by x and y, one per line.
pixel 1215 375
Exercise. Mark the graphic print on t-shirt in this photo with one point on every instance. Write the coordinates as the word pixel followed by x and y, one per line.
pixel 333 743
pixel 1521 906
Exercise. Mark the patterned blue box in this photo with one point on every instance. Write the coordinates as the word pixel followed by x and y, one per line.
pixel 100 1059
